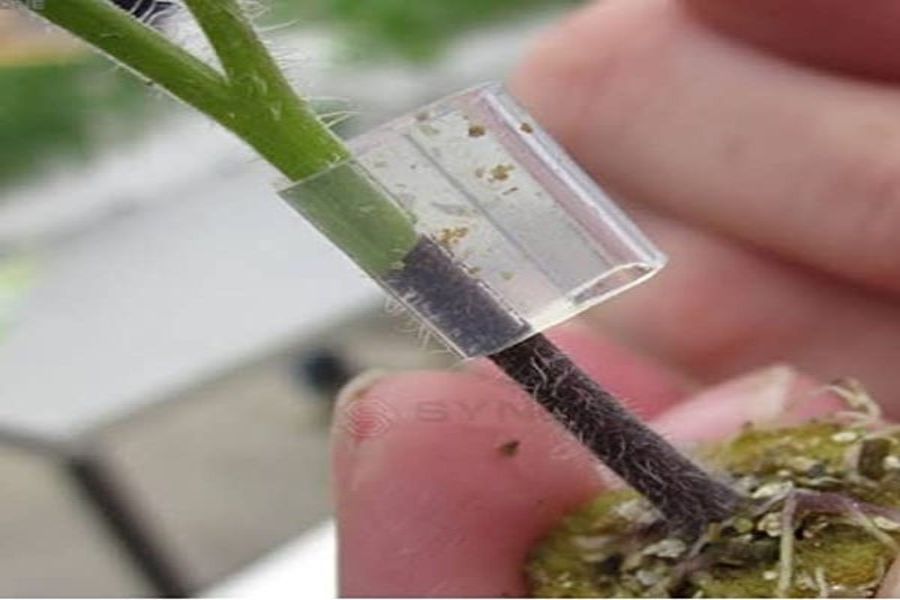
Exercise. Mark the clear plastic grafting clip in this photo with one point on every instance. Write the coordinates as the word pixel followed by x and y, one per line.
pixel 477 221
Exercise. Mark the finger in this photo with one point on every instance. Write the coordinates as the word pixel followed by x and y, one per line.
pixel 857 37
pixel 778 395
pixel 647 386
pixel 434 503
pixel 663 110
pixel 447 499
pixel 890 585
pixel 720 309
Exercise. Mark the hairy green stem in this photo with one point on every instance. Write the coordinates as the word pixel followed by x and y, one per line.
pixel 267 112
pixel 254 100
pixel 141 49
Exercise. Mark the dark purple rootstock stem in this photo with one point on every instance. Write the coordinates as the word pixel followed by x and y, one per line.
pixel 687 497
pixel 449 297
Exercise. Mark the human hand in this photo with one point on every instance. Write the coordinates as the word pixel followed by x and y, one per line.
pixel 445 481
pixel 757 145
pixel 772 185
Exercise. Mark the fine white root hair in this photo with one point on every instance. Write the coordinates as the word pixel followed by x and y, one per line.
pixel 864 522
pixel 863 408
pixel 786 547
pixel 821 582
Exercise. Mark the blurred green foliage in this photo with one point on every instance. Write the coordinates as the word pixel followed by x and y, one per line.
pixel 17 276
pixel 63 109
pixel 414 29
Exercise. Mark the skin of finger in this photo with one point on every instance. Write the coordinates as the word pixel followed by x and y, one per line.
pixel 645 385
pixel 720 309
pixel 855 37
pixel 728 407
pixel 661 108
pixel 432 504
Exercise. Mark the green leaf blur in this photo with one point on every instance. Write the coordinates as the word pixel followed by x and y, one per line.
pixel 413 29
pixel 63 110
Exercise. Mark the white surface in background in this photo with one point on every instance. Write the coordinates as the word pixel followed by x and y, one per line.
pixel 178 151
pixel 307 568
pixel 150 301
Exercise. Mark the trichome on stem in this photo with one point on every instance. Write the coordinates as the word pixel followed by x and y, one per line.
pixel 248 94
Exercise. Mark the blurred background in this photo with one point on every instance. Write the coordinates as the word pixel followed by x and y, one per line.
pixel 171 334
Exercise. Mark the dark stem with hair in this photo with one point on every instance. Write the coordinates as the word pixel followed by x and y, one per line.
pixel 687 497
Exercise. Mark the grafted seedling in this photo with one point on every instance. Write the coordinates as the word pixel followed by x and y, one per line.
pixel 248 94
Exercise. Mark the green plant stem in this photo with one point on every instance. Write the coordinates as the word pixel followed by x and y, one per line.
pixel 141 49
pixel 267 112
pixel 254 100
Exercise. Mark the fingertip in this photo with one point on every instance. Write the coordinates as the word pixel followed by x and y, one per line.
pixel 776 395
pixel 453 491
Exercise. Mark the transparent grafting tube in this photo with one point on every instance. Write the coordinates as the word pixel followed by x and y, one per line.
pixel 509 236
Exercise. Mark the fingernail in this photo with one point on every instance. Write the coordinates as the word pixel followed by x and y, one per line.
pixel 360 420
pixel 758 398
pixel 359 385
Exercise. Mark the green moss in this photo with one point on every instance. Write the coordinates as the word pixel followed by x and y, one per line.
pixel 835 485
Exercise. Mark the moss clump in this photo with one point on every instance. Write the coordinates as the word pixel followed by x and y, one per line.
pixel 821 519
